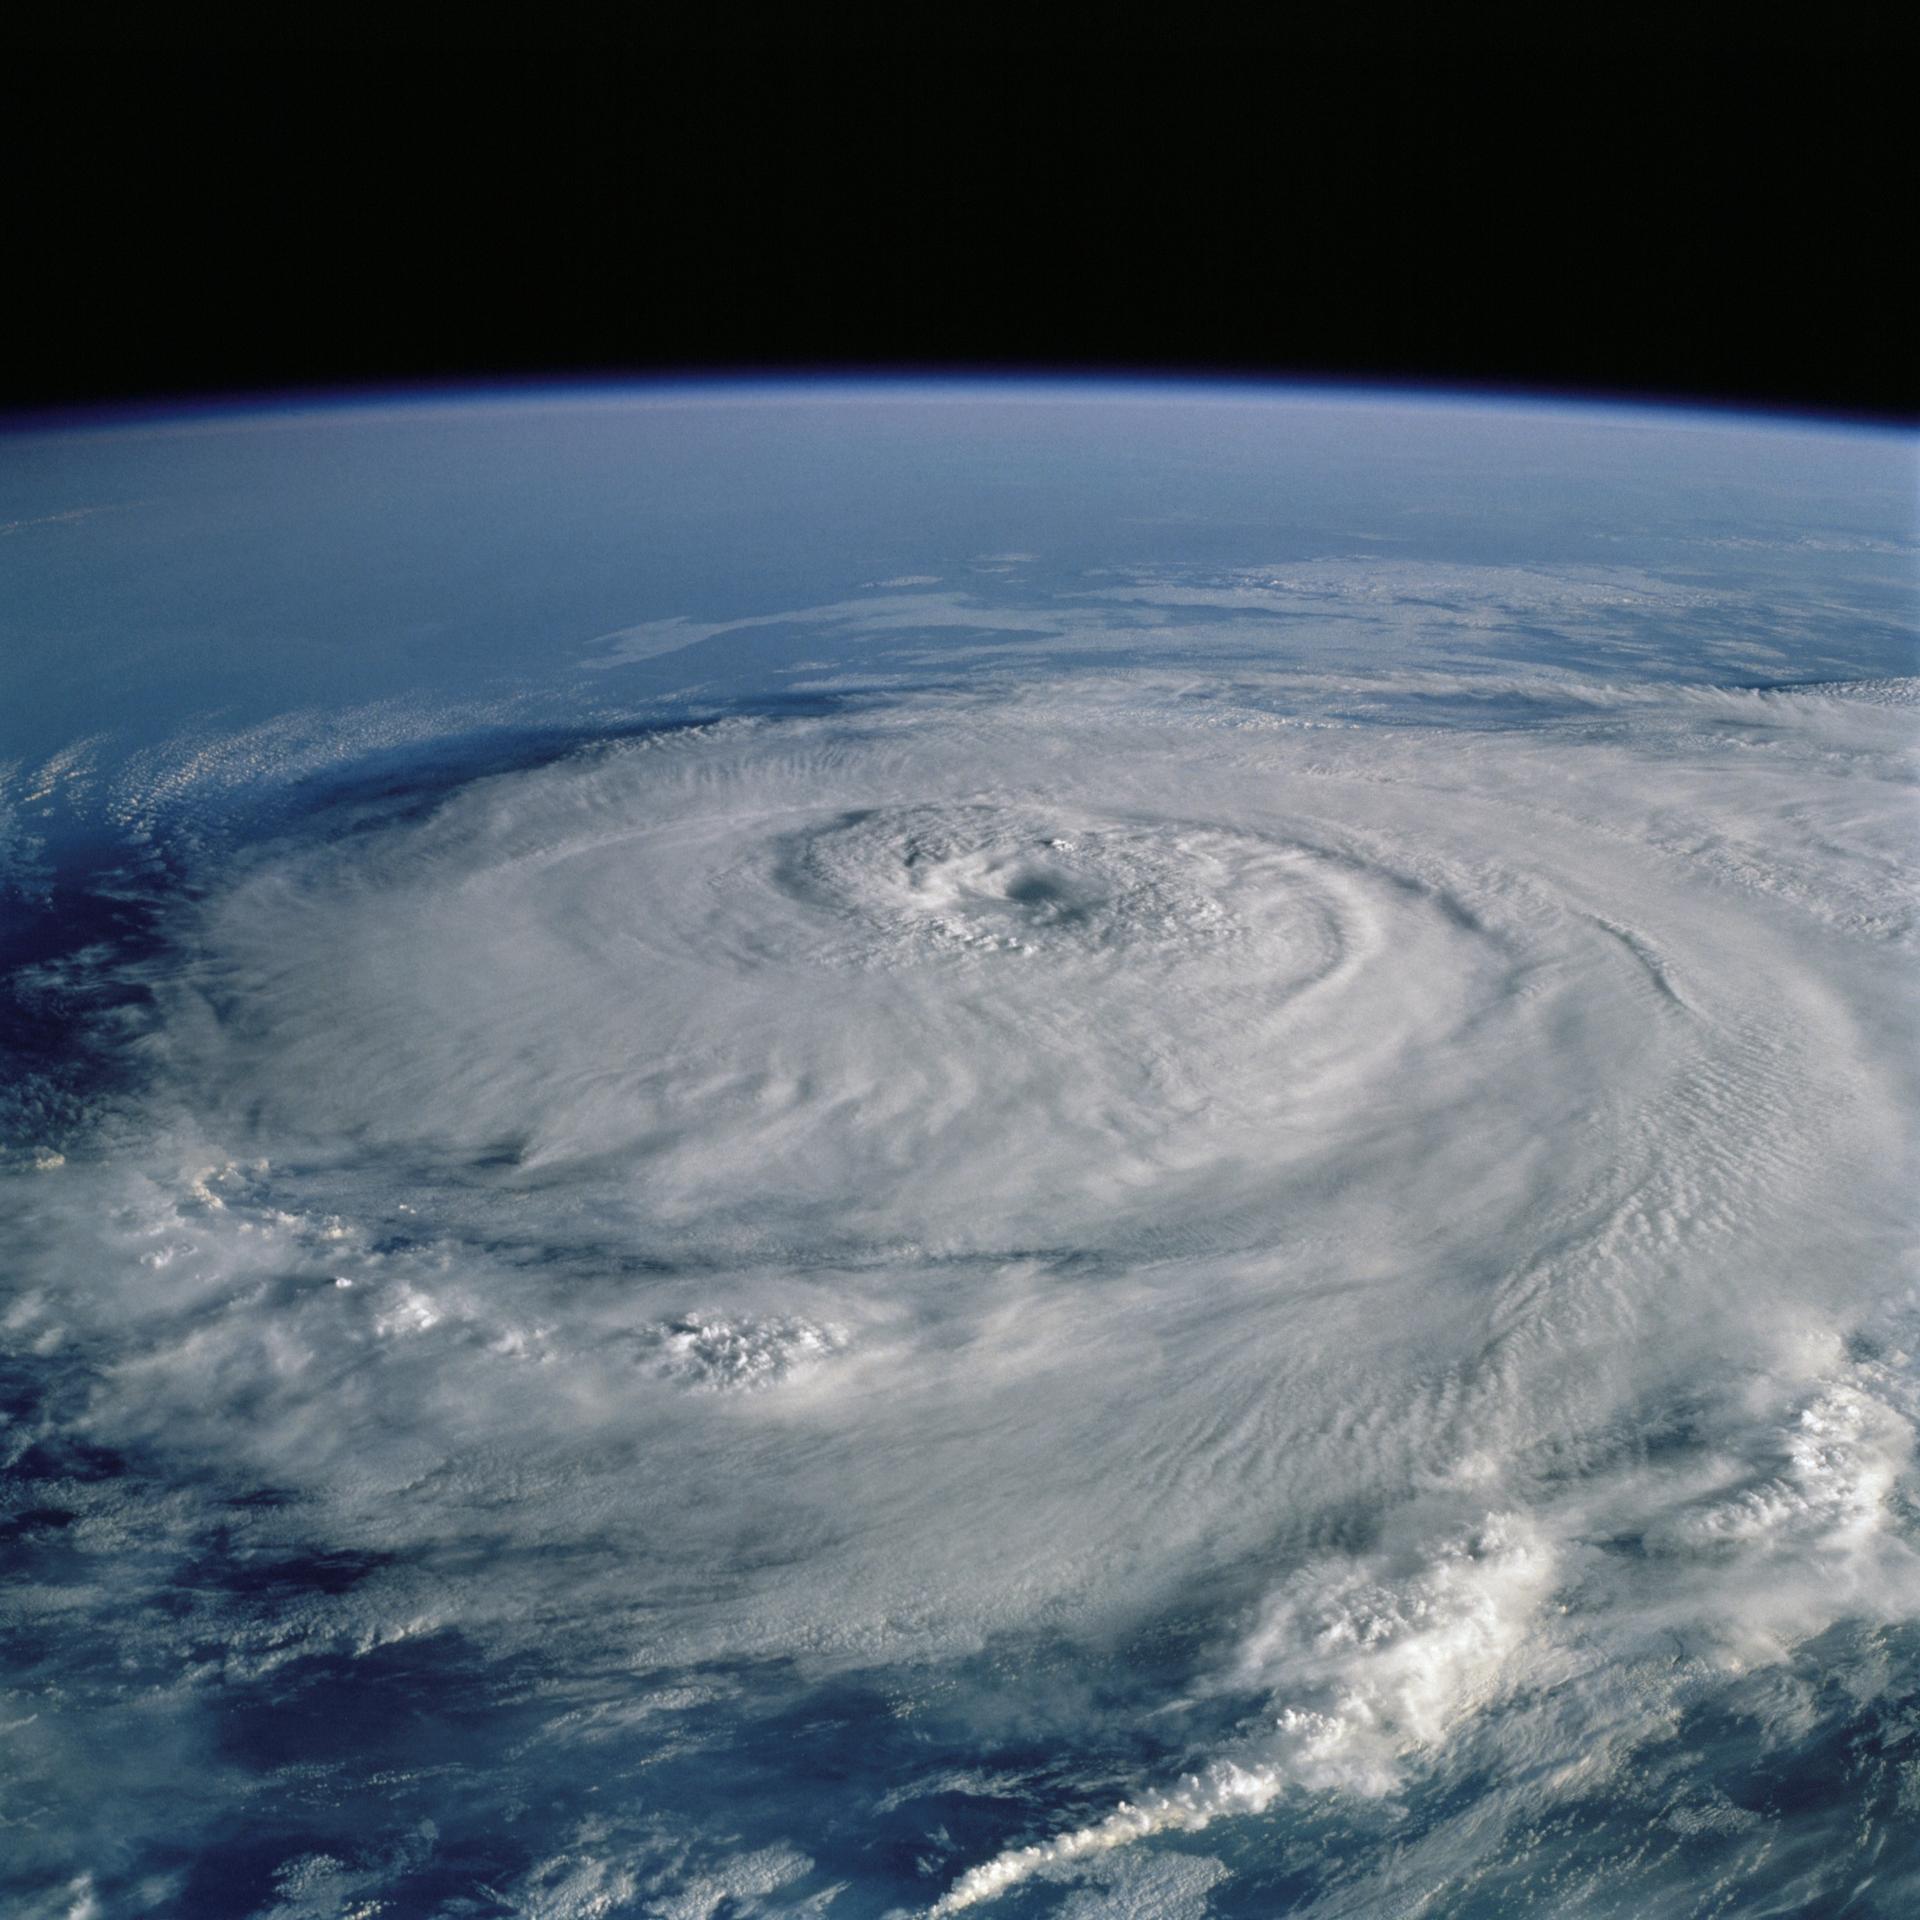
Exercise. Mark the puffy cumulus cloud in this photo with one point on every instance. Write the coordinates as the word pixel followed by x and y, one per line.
pixel 1404 1206
pixel 1372 1668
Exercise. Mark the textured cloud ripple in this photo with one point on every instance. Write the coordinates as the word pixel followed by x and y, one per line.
pixel 913 1304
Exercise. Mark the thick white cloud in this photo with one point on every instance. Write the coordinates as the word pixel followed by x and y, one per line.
pixel 1004 1164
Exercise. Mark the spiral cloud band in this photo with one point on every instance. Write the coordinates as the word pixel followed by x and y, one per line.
pixel 1096 1253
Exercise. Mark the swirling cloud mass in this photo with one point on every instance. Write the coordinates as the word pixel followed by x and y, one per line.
pixel 1170 1274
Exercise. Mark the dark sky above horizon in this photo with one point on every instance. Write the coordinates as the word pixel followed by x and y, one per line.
pixel 1724 231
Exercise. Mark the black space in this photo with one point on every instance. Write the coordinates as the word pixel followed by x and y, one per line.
pixel 1728 228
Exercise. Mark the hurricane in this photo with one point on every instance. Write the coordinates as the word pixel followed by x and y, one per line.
pixel 1212 1217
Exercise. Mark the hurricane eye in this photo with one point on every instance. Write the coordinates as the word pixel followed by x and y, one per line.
pixel 1039 890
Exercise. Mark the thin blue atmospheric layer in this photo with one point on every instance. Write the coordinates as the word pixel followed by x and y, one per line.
pixel 1133 1150
pixel 251 565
